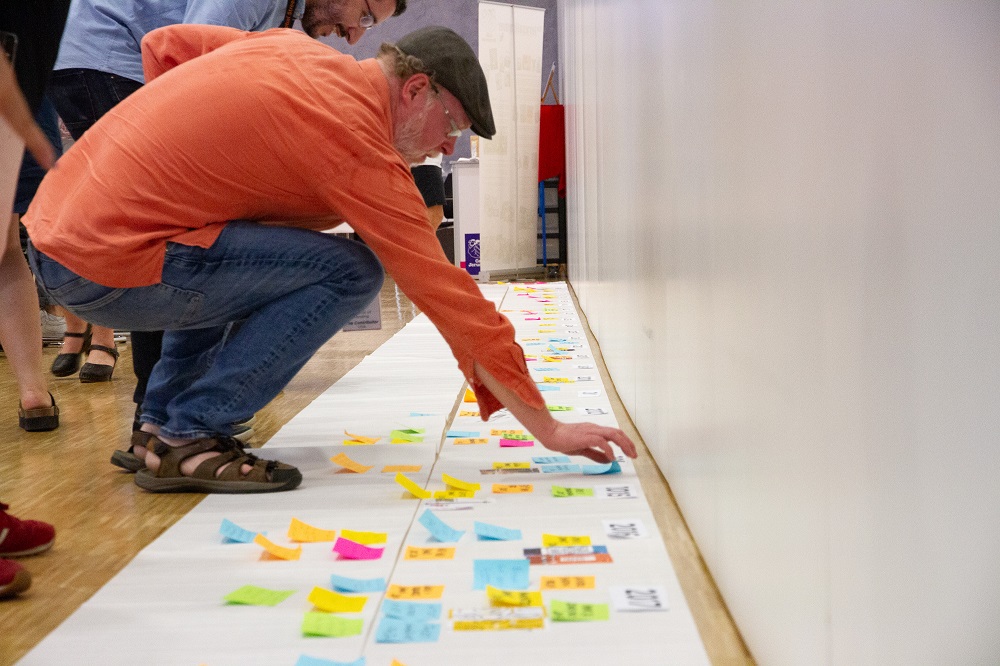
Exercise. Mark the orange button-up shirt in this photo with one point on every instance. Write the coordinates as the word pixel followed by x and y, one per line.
pixel 270 126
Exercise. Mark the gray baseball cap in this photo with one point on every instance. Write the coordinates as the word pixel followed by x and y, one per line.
pixel 452 63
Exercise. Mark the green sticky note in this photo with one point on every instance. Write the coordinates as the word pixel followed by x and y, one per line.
pixel 326 624
pixel 251 595
pixel 559 491
pixel 560 408
pixel 407 435
pixel 567 611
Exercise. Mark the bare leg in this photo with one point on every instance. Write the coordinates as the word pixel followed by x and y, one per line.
pixel 106 337
pixel 20 329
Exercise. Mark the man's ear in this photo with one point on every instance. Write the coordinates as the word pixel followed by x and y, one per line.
pixel 415 86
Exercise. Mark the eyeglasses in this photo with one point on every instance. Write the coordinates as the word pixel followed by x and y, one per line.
pixel 367 20
pixel 456 131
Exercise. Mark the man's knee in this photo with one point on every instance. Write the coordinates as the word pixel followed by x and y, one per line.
pixel 368 273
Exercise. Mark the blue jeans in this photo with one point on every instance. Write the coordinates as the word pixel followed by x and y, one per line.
pixel 82 96
pixel 291 289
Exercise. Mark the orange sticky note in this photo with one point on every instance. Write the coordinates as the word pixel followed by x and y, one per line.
pixel 471 440
pixel 334 602
pixel 567 582
pixel 359 439
pixel 401 468
pixel 470 396
pixel 459 484
pixel 299 531
pixel 415 591
pixel 276 550
pixel 412 487
pixel 343 460
pixel 419 553
pixel 507 489
pixel 364 538
pixel 504 433
pixel 468 412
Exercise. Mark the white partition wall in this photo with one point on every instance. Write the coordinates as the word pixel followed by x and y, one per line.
pixel 510 50
pixel 785 232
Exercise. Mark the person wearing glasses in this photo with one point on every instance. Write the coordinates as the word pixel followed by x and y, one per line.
pixel 100 64
pixel 210 212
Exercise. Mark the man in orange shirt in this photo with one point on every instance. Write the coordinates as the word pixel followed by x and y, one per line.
pixel 197 202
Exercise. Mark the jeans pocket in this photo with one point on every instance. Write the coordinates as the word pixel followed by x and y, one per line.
pixel 71 96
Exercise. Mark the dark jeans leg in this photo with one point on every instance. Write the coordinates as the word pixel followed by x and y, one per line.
pixel 146 347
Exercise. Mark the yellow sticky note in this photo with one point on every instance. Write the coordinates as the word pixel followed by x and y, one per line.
pixel 470 396
pixel 365 538
pixel 508 488
pixel 471 440
pixel 549 540
pixel 504 433
pixel 299 531
pixel 511 465
pixel 415 591
pixel 334 602
pixel 454 494
pixel 567 582
pixel 459 484
pixel 276 550
pixel 343 460
pixel 418 553
pixel 500 597
pixel 359 439
pixel 468 412
pixel 401 468
pixel 499 625
pixel 557 380
pixel 412 487
pixel 397 662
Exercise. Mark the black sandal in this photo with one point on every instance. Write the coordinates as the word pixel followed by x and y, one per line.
pixel 66 364
pixel 38 419
pixel 98 372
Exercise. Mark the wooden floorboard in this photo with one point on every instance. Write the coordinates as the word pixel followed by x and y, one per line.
pixel 103 520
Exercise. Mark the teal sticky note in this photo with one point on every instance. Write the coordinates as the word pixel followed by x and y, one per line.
pixel 547 387
pixel 505 574
pixel 345 584
pixel 608 468
pixel 235 533
pixel 549 460
pixel 438 528
pixel 411 611
pixel 553 469
pixel 495 532
pixel 462 433
pixel 306 660
pixel 391 630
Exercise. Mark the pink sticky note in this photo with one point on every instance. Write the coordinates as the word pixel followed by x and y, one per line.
pixel 353 550
pixel 516 442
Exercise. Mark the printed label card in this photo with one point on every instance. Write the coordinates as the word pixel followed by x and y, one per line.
pixel 627 528
pixel 639 598
pixel 620 491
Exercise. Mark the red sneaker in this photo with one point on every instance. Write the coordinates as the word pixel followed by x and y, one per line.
pixel 13 579
pixel 23 537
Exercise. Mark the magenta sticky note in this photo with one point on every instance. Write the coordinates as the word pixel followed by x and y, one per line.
pixel 352 550
pixel 516 442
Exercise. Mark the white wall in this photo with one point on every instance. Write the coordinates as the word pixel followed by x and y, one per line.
pixel 785 232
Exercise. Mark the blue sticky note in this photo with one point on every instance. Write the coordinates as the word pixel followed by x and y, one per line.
pixel 438 529
pixel 411 611
pixel 547 387
pixel 495 532
pixel 545 368
pixel 549 469
pixel 306 660
pixel 345 584
pixel 505 574
pixel 235 533
pixel 607 468
pixel 462 433
pixel 549 460
pixel 391 630
pixel 421 414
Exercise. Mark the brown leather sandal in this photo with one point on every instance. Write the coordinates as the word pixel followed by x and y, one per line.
pixel 38 419
pixel 126 458
pixel 267 476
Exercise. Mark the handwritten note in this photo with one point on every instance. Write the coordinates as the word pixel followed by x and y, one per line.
pixel 505 574
pixel 567 611
pixel 345 461
pixel 561 468
pixel 401 468
pixel 415 591
pixel 549 460
pixel 559 540
pixel 438 528
pixel 235 533
pixel 495 532
pixel 251 595
pixel 324 624
pixel 559 491
pixel 567 582
pixel 607 468
pixel 391 630
pixel 462 441
pixel 411 611
pixel 462 433
pixel 412 487
pixel 345 584
pixel 275 550
pixel 508 488
pixel 305 533
pixel 639 598
pixel 511 443
pixel 458 483
pixel 500 597
pixel 334 602
pixel 352 550
pixel 418 553
pixel 511 465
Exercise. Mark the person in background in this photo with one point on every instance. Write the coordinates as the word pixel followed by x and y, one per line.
pixel 430 182
pixel 238 239
pixel 100 64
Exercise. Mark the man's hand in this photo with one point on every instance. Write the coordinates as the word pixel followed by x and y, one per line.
pixel 588 439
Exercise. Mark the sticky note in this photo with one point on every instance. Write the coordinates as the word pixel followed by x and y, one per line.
pixel 401 468
pixel 557 380
pixel 352 550
pixel 345 584
pixel 566 611
pixel 559 408
pixel 415 591
pixel 462 433
pixel 469 396
pixel 505 574
pixel 366 538
pixel 324 624
pixel 414 489
pixel 567 582
pixel 474 440
pixel 411 611
pixel 510 434
pixel 458 483
pixel 495 532
pixel 561 468
pixel 500 597
pixel 359 439
pixel 251 595
pixel 235 533
pixel 418 553
pixel 626 528
pixel 618 491
pixel 559 491
pixel 510 443
pixel 274 549
pixel 454 494
pixel 391 630
pixel 607 468
pixel 549 460
pixel 511 465
pixel 549 540
pixel 345 461
pixel 547 387
pixel 468 413
pixel 334 602
pixel 438 528
pixel 302 532
pixel 639 598
pixel 511 488
pixel 406 436
pixel 306 660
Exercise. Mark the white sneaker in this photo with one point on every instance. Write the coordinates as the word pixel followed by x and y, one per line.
pixel 53 326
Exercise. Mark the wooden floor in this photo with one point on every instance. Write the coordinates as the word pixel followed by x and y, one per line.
pixel 103 519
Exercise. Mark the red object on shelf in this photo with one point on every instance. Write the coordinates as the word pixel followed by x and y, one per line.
pixel 552 145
